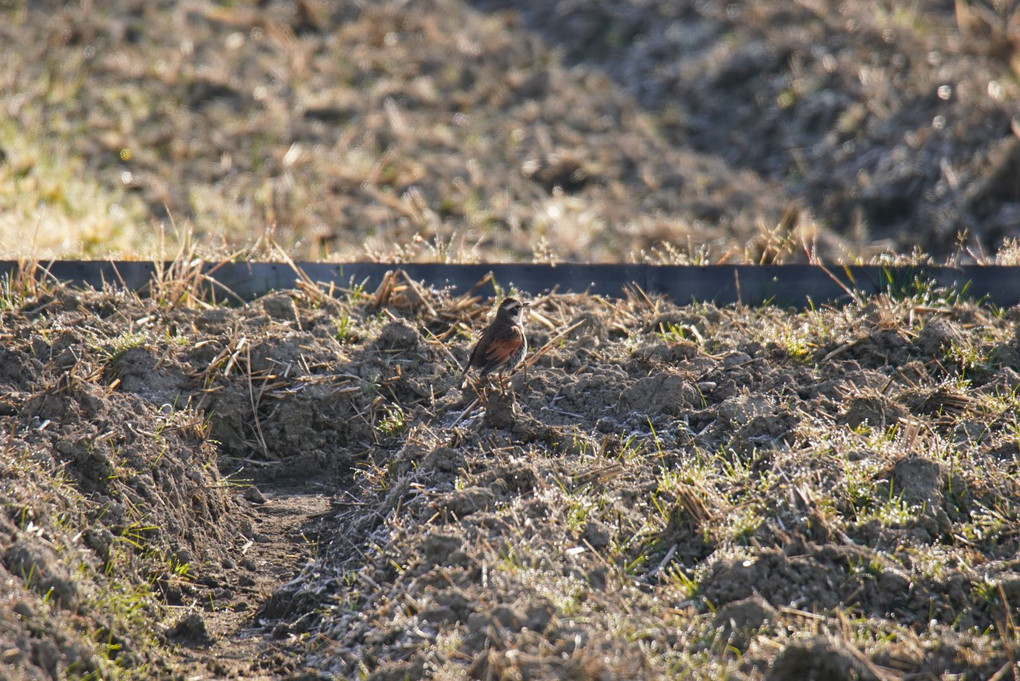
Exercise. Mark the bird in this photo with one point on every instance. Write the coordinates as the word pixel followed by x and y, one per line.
pixel 502 345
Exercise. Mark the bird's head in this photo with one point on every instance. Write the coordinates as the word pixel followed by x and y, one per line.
pixel 510 307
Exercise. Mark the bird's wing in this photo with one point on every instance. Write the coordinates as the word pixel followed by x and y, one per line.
pixel 503 346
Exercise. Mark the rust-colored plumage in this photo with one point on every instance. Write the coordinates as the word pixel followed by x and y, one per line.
pixel 502 344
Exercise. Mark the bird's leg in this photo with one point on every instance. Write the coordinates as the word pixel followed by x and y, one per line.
pixel 513 398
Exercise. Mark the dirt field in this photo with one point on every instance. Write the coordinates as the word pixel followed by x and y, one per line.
pixel 453 130
pixel 300 488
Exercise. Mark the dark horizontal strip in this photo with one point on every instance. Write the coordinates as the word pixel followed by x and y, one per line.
pixel 796 285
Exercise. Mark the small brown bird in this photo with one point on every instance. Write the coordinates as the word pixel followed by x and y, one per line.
pixel 502 344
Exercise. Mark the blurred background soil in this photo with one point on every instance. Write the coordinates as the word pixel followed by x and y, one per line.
pixel 454 130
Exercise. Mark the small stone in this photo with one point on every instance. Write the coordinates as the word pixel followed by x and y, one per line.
pixel 23 609
pixel 918 480
pixel 280 307
pixel 470 500
pixel 739 619
pixel 190 629
pixel 438 547
pixel 398 335
pixel 254 495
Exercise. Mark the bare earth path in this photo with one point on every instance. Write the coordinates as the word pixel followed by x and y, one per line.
pixel 237 643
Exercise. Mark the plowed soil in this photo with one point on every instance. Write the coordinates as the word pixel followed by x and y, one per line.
pixel 598 131
pixel 301 488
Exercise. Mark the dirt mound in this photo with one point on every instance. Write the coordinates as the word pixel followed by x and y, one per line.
pixel 132 434
pixel 865 116
pixel 111 500
pixel 638 478
pixel 723 492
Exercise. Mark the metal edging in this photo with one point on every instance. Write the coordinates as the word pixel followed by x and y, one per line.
pixel 787 285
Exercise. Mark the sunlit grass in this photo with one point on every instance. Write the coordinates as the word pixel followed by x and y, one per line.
pixel 54 207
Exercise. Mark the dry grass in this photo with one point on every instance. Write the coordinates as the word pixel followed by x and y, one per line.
pixel 517 141
pixel 679 491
